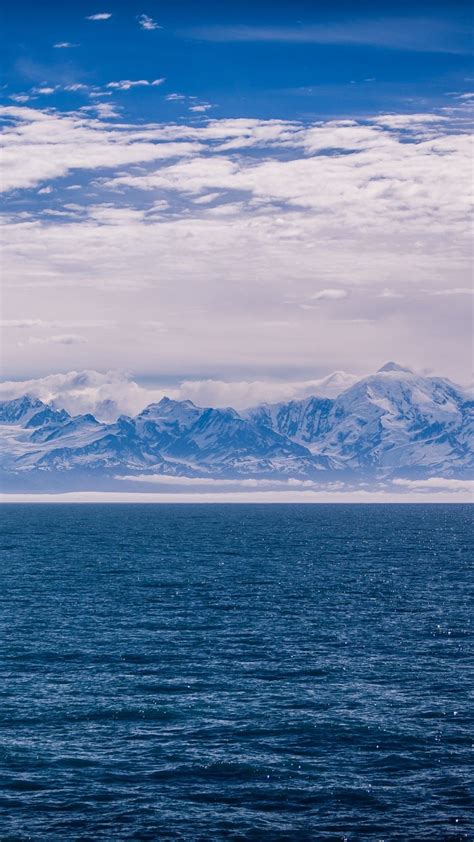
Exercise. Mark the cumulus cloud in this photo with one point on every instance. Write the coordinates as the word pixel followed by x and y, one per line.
pixel 146 22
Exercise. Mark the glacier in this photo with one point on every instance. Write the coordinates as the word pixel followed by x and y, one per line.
pixel 394 423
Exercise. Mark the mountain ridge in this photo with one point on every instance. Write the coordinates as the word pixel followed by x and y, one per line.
pixel 391 423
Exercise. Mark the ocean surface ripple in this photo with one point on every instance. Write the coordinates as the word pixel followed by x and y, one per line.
pixel 236 672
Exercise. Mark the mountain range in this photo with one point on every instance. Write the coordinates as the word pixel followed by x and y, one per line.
pixel 394 423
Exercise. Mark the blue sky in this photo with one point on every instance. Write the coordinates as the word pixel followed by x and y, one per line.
pixel 291 60
pixel 239 194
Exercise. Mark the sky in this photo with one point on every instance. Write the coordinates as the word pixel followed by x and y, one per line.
pixel 244 193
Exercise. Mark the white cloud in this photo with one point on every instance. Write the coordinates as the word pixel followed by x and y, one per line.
pixel 344 495
pixel 205 106
pixel 175 97
pixel 45 90
pixel 404 121
pixel 390 293
pixel 60 339
pixel 64 45
pixel 104 110
pixel 127 84
pixel 202 482
pixel 453 291
pixel 296 209
pixel 329 295
pixel 110 394
pixel 77 86
pixel 20 323
pixel 56 144
pixel 206 199
pixel 146 22
pixel 20 98
pixel 434 483
pixel 99 16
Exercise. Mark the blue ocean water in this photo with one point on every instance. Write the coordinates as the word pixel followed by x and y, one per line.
pixel 236 672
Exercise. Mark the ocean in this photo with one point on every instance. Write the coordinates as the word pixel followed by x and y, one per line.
pixel 207 672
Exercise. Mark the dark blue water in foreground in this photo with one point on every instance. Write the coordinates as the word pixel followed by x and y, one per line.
pixel 240 672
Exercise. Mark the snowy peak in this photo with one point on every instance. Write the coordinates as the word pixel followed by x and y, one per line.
pixel 391 366
pixel 20 410
pixel 393 420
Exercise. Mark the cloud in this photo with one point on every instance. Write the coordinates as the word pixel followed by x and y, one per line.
pixel 453 291
pixel 329 295
pixel 106 395
pixel 127 84
pixel 434 483
pixel 295 209
pixel 60 339
pixel 146 22
pixel 99 16
pixel 20 323
pixel 390 293
pixel 404 121
pixel 324 495
pixel 104 110
pixel 175 97
pixel 65 45
pixel 396 33
pixel 112 393
pixel 46 91
pixel 202 482
pixel 200 108
pixel 45 145
pixel 77 86
pixel 20 97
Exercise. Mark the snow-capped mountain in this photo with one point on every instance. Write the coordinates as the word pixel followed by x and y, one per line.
pixel 304 421
pixel 394 419
pixel 170 437
pixel 391 423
